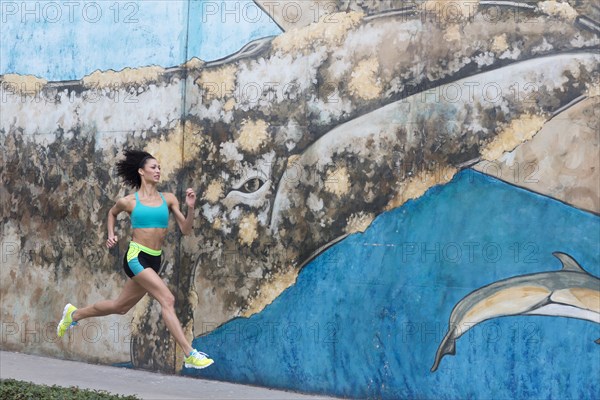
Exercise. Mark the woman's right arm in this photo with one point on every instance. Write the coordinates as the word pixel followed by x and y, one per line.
pixel 120 205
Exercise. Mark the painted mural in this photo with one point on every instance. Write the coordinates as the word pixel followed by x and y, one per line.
pixel 379 182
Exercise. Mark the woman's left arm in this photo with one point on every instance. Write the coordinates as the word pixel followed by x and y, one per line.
pixel 186 224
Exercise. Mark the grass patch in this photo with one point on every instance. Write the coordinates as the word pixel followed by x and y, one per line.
pixel 11 389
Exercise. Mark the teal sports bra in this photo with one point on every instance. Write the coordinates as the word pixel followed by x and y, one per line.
pixel 149 217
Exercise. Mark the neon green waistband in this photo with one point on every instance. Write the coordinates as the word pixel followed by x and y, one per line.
pixel 135 248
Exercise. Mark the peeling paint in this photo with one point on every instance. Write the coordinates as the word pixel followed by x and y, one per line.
pixel 253 135
pixel 558 9
pixel 518 131
pixel 229 105
pixel 193 140
pixel 364 81
pixel 175 146
pixel 593 89
pixel 452 33
pixel 127 76
pixel 338 181
pixel 217 83
pixel 248 229
pixel 322 33
pixel 359 222
pixel 214 191
pixel 229 152
pixel 500 44
pixel 22 84
pixel 415 187
pixel 167 151
pixel 314 203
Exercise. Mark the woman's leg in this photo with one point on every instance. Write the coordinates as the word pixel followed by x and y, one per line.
pixel 131 294
pixel 153 284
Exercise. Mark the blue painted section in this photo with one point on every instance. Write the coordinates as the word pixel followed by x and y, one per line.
pixel 365 318
pixel 218 28
pixel 68 40
pixel 58 42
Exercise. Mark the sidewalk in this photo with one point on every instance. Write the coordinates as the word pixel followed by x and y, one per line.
pixel 126 381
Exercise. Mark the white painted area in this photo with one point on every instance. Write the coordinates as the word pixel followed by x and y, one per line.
pixel 289 134
pixel 511 54
pixel 485 59
pixel 314 203
pixel 330 109
pixel 229 152
pixel 210 212
pixel 543 47
pixel 157 107
pixel 560 310
pixel 280 76
pixel 256 199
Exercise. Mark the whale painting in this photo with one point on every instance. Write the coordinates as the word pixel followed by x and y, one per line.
pixel 296 145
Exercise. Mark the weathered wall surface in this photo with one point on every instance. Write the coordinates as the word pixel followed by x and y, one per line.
pixel 295 144
pixel 58 185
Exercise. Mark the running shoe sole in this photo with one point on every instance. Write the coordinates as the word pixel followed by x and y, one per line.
pixel 197 366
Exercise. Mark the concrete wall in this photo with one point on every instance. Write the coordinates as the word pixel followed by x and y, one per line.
pixel 338 222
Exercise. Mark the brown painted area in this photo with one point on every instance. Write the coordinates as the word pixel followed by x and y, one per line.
pixel 560 161
pixel 579 297
pixel 510 301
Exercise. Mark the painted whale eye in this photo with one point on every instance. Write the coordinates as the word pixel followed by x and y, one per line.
pixel 251 185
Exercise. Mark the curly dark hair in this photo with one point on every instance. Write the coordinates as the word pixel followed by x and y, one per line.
pixel 127 169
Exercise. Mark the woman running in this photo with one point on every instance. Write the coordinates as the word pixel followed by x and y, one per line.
pixel 149 211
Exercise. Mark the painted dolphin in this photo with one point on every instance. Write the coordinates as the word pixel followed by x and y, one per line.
pixel 571 292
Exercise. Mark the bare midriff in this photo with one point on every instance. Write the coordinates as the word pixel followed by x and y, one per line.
pixel 150 237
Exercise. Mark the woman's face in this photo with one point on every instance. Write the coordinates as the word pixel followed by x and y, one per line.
pixel 151 171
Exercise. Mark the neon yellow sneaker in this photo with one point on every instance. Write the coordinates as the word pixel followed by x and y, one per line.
pixel 66 322
pixel 197 359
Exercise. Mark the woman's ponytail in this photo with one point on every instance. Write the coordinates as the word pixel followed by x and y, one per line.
pixel 127 169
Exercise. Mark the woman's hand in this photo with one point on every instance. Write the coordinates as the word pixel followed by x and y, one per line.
pixel 120 205
pixel 112 241
pixel 190 197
